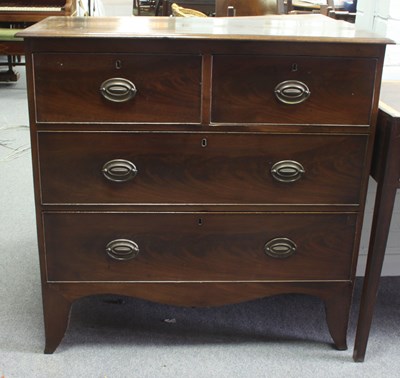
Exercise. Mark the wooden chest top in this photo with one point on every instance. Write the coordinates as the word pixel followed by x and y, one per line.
pixel 300 28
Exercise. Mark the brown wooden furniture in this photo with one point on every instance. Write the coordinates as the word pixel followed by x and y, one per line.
pixel 147 8
pixel 248 7
pixel 29 11
pixel 327 8
pixel 13 48
pixel 342 15
pixel 205 161
pixel 386 171
pixel 220 7
pixel 19 14
pixel 161 8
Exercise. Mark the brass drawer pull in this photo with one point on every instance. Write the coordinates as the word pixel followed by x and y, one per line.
pixel 287 171
pixel 118 90
pixel 292 92
pixel 119 170
pixel 280 248
pixel 122 249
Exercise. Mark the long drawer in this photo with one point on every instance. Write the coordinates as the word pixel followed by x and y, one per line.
pixel 293 90
pixel 200 168
pixel 198 246
pixel 117 87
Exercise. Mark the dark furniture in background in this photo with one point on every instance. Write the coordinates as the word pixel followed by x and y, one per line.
pixel 30 11
pixel 386 171
pixel 13 48
pixel 225 8
pixel 17 14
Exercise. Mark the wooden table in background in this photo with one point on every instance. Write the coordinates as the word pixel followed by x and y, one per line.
pixel 386 171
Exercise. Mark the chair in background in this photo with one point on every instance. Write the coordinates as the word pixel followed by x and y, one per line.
pixel 158 8
pixel 288 6
pixel 248 7
pixel 146 7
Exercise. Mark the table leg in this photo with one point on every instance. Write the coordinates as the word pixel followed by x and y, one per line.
pixel 388 183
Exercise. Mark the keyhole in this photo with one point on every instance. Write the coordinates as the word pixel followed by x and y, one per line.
pixel 294 67
pixel 200 222
pixel 204 142
pixel 118 64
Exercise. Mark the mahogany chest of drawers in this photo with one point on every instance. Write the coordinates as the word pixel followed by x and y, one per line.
pixel 200 162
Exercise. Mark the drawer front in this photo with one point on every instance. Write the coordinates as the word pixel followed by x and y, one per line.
pixel 200 168
pixel 339 90
pixel 96 88
pixel 198 246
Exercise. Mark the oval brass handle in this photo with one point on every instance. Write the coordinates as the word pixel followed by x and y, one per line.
pixel 292 92
pixel 280 248
pixel 119 170
pixel 122 249
pixel 118 89
pixel 287 171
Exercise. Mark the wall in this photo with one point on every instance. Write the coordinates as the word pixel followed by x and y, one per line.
pixel 106 7
pixel 383 17
pixel 116 7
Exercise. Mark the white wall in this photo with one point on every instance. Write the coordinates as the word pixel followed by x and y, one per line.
pixel 106 7
pixel 117 7
pixel 383 17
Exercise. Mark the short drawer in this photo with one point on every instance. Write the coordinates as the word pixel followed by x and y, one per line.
pixel 200 168
pixel 292 90
pixel 198 246
pixel 98 88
